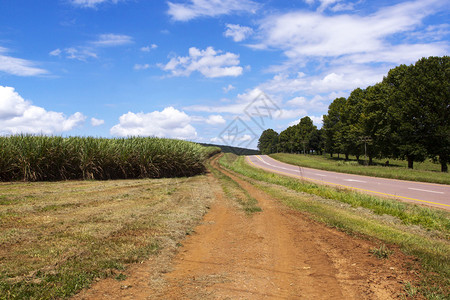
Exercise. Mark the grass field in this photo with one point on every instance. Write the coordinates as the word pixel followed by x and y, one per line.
pixel 44 158
pixel 425 172
pixel 58 237
pixel 419 231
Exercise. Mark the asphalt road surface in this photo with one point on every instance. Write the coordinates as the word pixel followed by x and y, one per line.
pixel 437 195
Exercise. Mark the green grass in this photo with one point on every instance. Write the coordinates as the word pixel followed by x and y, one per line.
pixel 425 172
pixel 234 191
pixel 44 158
pixel 382 252
pixel 418 231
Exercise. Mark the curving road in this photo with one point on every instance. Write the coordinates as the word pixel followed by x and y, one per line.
pixel 437 195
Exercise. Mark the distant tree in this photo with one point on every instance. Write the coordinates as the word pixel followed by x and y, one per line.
pixel 351 130
pixel 316 141
pixel 376 121
pixel 268 141
pixel 305 130
pixel 289 141
pixel 332 125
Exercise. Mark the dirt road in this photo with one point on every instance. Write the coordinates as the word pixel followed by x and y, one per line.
pixel 275 254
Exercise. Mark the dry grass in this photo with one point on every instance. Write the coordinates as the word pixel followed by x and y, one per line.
pixel 57 237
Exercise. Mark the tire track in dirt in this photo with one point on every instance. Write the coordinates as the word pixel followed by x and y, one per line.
pixel 278 253
pixel 275 254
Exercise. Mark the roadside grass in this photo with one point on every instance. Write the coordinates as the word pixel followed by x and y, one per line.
pixel 427 239
pixel 58 237
pixel 425 172
pixel 234 191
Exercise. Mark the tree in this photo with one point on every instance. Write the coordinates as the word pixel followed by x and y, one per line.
pixel 316 142
pixel 351 130
pixel 305 130
pixel 420 105
pixel 268 141
pixel 289 141
pixel 376 121
pixel 406 116
pixel 428 89
pixel 332 125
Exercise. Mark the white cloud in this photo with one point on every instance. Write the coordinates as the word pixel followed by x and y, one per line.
pixel 20 116
pixel 215 120
pixel 338 78
pixel 208 62
pixel 56 52
pixel 91 48
pixel 170 123
pixel 317 120
pixel 343 7
pixel 97 122
pixel 18 66
pixel 141 67
pixel 148 48
pixel 91 3
pixel 297 101
pixel 326 3
pixel 228 88
pixel 237 107
pixel 232 139
pixel 209 8
pixel 237 32
pixel 80 53
pixel 301 33
pixel 112 40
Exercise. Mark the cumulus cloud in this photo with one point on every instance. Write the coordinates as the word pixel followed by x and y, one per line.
pixel 97 122
pixel 209 62
pixel 18 66
pixel 237 32
pixel 210 8
pixel 340 78
pixel 20 116
pixel 170 123
pixel 215 120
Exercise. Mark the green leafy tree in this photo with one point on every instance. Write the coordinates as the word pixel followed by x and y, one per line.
pixel 332 124
pixel 305 131
pixel 268 142
pixel 427 87
pixel 289 140
pixel 351 129
pixel 377 122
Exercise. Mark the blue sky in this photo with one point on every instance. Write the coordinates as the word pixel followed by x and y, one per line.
pixel 205 71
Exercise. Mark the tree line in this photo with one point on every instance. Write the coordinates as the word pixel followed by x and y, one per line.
pixel 405 116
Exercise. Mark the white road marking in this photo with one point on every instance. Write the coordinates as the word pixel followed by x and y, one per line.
pixel 425 191
pixel 320 175
pixel 354 180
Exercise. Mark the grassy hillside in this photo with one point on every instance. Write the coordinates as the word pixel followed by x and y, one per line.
pixel 43 158
pixel 234 150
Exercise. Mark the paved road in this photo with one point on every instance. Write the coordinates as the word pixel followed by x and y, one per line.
pixel 424 193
